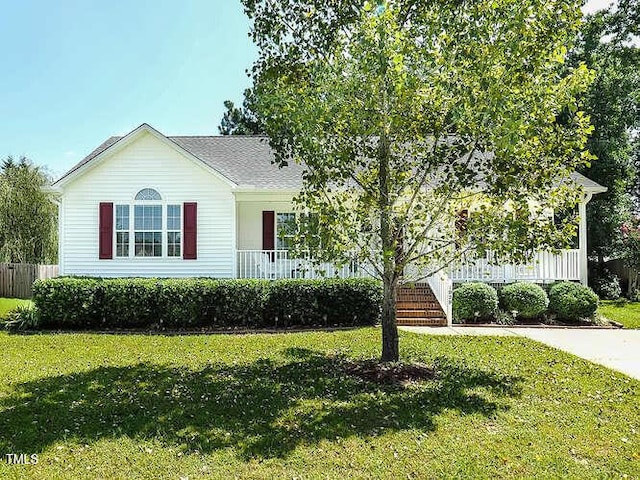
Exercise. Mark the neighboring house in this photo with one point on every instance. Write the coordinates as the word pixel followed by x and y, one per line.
pixel 215 206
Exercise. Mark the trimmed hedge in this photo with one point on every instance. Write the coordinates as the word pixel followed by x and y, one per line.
pixel 474 301
pixel 572 301
pixel 91 303
pixel 528 299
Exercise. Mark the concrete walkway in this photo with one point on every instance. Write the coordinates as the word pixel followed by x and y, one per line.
pixel 613 348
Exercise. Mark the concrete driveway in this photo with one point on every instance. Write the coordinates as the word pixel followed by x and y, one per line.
pixel 613 348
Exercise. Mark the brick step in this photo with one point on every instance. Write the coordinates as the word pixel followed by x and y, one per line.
pixel 426 290
pixel 418 301
pixel 415 305
pixel 412 296
pixel 423 322
pixel 418 306
pixel 419 313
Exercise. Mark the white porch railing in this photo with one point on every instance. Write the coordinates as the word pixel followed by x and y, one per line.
pixel 544 267
pixel 275 264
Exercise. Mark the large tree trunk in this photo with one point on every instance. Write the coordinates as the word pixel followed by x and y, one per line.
pixel 390 347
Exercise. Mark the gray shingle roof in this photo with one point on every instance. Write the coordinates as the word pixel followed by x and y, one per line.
pixel 246 161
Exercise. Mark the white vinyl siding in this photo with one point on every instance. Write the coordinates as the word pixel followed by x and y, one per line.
pixel 249 216
pixel 147 163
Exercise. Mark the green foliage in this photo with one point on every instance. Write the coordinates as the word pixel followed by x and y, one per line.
pixel 528 299
pixel 23 317
pixel 28 217
pixel 606 285
pixel 631 236
pixel 505 318
pixel 613 103
pixel 243 120
pixel 399 112
pixel 86 303
pixel 324 302
pixel 572 301
pixel 474 301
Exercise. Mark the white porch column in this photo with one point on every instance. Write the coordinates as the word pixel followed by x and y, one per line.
pixel 582 238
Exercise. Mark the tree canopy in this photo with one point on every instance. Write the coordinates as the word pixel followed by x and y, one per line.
pixel 241 120
pixel 28 218
pixel 404 113
pixel 613 103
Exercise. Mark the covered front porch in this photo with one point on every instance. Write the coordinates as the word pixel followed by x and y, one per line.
pixel 261 251
pixel 545 267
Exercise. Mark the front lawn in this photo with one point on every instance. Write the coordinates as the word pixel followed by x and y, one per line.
pixel 280 406
pixel 626 313
pixel 8 304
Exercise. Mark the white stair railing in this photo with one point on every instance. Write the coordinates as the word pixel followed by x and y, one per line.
pixel 442 288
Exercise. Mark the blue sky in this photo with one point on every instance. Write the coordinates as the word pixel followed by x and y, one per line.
pixel 76 72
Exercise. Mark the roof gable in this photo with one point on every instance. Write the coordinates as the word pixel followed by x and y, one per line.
pixel 115 144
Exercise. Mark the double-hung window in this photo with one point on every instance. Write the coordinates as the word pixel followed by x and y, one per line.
pixel 122 230
pixel 147 230
pixel 174 222
pixel 285 230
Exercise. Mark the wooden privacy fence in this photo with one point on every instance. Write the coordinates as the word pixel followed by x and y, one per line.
pixel 16 279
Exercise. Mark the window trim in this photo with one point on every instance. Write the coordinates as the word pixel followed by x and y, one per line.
pixel 275 230
pixel 164 203
pixel 116 231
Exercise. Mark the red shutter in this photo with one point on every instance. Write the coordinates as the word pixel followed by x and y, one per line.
pixel 268 229
pixel 105 250
pixel 190 233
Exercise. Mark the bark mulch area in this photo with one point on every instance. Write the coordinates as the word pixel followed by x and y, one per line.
pixel 396 373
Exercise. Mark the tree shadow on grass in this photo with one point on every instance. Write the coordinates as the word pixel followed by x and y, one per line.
pixel 262 409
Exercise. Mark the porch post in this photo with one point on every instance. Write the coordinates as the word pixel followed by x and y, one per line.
pixel 582 238
pixel 234 238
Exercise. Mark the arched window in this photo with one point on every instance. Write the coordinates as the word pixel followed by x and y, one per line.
pixel 152 227
pixel 148 194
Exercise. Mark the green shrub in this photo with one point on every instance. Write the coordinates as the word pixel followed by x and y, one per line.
pixel 24 317
pixel 68 301
pixel 89 303
pixel 607 286
pixel 474 301
pixel 504 318
pixel 323 302
pixel 572 301
pixel 528 299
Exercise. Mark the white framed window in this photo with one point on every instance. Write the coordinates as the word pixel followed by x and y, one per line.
pixel 148 194
pixel 174 230
pixel 123 225
pixel 148 227
pixel 285 230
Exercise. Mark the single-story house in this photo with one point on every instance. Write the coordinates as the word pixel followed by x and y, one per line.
pixel 147 204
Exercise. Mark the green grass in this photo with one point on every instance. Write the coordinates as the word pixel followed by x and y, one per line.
pixel 8 304
pixel 267 406
pixel 626 313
